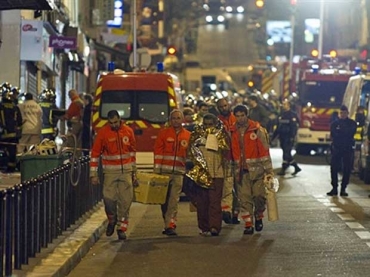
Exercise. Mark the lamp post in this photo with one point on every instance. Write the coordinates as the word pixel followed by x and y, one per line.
pixel 134 33
pixel 291 50
pixel 321 32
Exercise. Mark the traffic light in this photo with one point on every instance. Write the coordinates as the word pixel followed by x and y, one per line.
pixel 171 50
pixel 260 3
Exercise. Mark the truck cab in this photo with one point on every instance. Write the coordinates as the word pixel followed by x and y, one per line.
pixel 143 100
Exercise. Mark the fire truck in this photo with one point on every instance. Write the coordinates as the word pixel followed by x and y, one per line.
pixel 320 87
pixel 144 101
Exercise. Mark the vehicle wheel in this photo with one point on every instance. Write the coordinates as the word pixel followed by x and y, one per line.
pixel 303 150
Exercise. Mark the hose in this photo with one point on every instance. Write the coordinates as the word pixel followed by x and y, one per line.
pixel 74 160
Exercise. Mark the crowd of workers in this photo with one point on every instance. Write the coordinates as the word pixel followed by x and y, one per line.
pixel 217 154
pixel 26 120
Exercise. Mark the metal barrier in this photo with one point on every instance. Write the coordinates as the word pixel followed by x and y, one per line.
pixel 37 211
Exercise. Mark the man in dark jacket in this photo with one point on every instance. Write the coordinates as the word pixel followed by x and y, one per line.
pixel 342 133
pixel 258 112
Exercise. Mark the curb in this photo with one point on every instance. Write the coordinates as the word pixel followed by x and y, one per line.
pixel 69 252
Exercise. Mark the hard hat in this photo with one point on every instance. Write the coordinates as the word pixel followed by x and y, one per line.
pixel 6 92
pixel 47 95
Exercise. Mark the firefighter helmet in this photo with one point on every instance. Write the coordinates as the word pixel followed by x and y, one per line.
pixel 47 95
pixel 5 87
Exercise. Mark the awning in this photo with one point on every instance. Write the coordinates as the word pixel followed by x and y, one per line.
pixel 27 4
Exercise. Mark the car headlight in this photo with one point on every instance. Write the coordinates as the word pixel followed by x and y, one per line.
pixel 220 18
pixel 306 123
pixel 209 18
pixel 240 9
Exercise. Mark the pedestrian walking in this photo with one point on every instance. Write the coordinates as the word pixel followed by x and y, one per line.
pixel 229 203
pixel 342 132
pixel 250 152
pixel 32 123
pixel 116 146
pixel 169 159
pixel 286 131
pixel 209 143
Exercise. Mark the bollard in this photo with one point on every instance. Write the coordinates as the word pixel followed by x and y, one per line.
pixel 8 232
pixel 17 227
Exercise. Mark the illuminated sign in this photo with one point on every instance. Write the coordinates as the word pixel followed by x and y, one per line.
pixel 116 22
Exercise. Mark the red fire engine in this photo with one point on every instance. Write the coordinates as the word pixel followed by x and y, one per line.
pixel 320 88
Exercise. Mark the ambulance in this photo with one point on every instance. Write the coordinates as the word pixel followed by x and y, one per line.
pixel 144 101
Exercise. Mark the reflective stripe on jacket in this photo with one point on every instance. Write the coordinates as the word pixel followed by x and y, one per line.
pixel 250 151
pixel 170 150
pixel 116 148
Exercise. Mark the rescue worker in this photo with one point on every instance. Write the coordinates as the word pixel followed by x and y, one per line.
pixel 49 122
pixel 258 112
pixel 286 131
pixel 229 200
pixel 250 152
pixel 73 116
pixel 360 119
pixel 115 144
pixel 342 133
pixel 211 143
pixel 32 123
pixel 169 159
pixel 10 126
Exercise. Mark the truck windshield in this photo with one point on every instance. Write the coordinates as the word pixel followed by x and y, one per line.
pixel 136 105
pixel 322 93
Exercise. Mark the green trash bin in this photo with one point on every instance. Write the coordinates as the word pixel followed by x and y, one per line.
pixel 34 165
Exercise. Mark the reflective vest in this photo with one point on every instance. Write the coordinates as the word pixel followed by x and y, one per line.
pixel 250 151
pixel 170 150
pixel 116 148
pixel 47 120
pixel 228 121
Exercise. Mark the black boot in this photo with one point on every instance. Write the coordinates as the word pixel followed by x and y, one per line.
pixel 283 168
pixel 296 168
pixel 226 217
pixel 333 192
pixel 343 192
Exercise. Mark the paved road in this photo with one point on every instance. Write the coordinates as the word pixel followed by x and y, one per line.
pixel 315 236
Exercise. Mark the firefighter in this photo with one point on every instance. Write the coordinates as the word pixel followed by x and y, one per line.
pixel 169 159
pixel 115 144
pixel 229 200
pixel 342 132
pixel 250 152
pixel 49 122
pixel 10 126
pixel 286 131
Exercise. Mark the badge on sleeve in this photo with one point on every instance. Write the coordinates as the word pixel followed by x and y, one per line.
pixel 253 136
pixel 125 140
pixel 184 143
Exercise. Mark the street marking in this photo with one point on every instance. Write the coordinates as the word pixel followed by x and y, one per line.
pixel 368 244
pixel 345 217
pixel 363 234
pixel 355 225
pixel 337 210
pixel 330 204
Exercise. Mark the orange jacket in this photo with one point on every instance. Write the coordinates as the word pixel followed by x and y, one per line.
pixel 228 121
pixel 250 151
pixel 170 151
pixel 117 149
pixel 75 109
